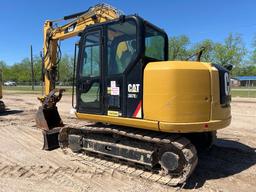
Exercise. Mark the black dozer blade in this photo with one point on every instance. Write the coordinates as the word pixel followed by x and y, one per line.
pixel 50 122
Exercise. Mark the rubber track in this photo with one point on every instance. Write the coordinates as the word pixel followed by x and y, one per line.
pixel 177 140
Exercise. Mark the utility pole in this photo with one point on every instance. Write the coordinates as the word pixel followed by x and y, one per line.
pixel 32 68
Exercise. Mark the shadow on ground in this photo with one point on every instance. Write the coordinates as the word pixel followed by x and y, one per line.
pixel 226 158
pixel 10 112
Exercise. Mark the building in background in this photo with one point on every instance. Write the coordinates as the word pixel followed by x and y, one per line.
pixel 234 82
pixel 246 81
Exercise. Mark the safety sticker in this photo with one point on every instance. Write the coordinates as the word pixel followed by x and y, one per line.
pixel 113 113
pixel 115 91
pixel 138 113
pixel 112 83
pixel 109 90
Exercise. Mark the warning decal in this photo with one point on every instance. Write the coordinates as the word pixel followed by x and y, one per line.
pixel 138 112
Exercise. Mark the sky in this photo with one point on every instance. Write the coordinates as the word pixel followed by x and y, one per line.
pixel 22 20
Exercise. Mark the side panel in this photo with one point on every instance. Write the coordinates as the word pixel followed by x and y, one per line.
pixel 134 89
pixel 177 92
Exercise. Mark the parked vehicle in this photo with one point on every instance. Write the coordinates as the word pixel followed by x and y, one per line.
pixel 10 83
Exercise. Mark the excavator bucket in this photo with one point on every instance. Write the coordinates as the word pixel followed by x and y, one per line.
pixel 48 119
pixel 51 141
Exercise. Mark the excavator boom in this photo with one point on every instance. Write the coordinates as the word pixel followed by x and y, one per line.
pixel 52 35
pixel 47 115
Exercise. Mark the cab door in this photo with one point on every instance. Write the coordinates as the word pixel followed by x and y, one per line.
pixel 122 55
pixel 89 73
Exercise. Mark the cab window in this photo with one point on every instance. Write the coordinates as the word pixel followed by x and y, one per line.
pixel 122 46
pixel 91 55
pixel 154 44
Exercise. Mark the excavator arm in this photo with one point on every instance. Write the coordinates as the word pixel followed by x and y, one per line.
pixel 52 35
pixel 47 115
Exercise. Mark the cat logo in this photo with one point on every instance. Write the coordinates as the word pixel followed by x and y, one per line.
pixel 133 88
pixel 70 28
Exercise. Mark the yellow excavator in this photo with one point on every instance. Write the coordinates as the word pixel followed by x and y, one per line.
pixel 2 106
pixel 149 112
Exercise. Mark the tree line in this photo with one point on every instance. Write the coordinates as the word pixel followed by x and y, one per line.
pixel 231 51
pixel 21 72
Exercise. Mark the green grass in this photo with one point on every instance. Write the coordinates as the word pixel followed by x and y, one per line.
pixel 235 92
pixel 243 93
pixel 28 89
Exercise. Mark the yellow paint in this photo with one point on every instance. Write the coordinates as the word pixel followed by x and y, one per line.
pixel 132 122
pixel 194 127
pixel 122 47
pixel 186 98
pixel 157 126
pixel 180 92
pixel 109 90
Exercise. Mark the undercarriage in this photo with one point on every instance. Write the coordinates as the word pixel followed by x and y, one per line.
pixel 163 156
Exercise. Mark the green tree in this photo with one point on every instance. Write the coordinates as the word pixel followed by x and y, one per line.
pixel 208 54
pixel 21 72
pixel 5 70
pixel 178 48
pixel 252 59
pixel 37 68
pixel 232 51
pixel 66 69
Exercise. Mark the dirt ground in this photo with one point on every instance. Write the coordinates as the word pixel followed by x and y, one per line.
pixel 229 166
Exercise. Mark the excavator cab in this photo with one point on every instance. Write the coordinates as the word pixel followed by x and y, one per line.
pixel 112 57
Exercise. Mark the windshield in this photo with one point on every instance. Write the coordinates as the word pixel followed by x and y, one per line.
pixel 122 46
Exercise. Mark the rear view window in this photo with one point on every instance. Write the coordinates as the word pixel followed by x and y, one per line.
pixel 154 43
